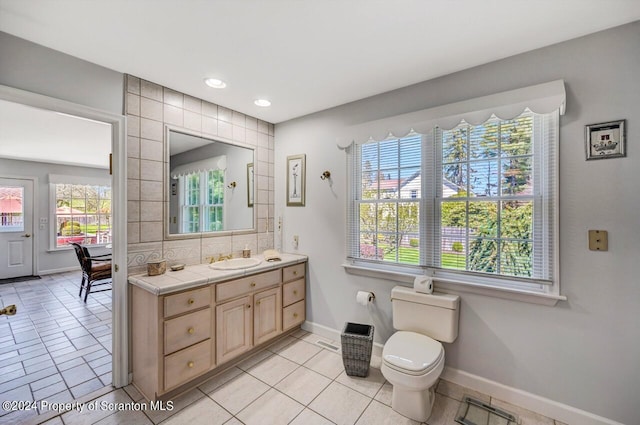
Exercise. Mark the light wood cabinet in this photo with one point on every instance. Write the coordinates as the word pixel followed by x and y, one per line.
pixel 182 336
pixel 267 315
pixel 233 329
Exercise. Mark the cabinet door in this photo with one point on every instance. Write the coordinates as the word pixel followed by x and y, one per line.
pixel 267 315
pixel 234 330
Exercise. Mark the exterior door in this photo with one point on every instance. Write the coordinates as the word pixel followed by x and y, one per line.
pixel 16 227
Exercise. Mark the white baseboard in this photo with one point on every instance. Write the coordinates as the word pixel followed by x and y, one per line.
pixel 544 406
pixel 61 270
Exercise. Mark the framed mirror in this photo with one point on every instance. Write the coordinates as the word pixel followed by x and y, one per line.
pixel 207 185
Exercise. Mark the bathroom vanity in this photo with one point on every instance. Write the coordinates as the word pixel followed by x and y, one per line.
pixel 188 323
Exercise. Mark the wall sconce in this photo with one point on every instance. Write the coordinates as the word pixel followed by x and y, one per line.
pixel 326 175
pixel 231 185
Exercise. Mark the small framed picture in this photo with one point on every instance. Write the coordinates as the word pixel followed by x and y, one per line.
pixel 296 180
pixel 250 184
pixel 606 140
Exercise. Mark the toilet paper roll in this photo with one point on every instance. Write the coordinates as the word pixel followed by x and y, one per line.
pixel 423 284
pixel 364 298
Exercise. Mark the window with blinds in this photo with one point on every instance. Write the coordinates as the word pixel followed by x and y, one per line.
pixel 474 202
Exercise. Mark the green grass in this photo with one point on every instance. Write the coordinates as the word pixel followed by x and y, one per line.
pixel 409 255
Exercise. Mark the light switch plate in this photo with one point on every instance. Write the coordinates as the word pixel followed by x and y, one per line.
pixel 598 240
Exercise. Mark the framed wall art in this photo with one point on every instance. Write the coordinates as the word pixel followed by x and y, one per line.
pixel 605 140
pixel 250 184
pixel 296 170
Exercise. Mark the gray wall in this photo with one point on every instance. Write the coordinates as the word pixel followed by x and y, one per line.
pixel 584 352
pixel 48 261
pixel 38 69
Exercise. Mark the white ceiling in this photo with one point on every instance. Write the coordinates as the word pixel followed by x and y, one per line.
pixel 303 55
pixel 34 134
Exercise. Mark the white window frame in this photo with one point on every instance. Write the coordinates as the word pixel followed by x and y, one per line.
pixel 527 290
pixel 54 180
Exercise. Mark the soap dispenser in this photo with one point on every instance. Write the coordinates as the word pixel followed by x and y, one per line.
pixel 246 252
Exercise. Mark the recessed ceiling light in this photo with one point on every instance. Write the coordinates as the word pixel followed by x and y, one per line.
pixel 215 83
pixel 262 102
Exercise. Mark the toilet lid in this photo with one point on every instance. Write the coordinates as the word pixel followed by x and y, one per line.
pixel 412 352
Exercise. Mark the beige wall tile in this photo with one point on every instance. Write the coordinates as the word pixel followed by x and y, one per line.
pixel 151 170
pixel 133 104
pixel 263 140
pixel 239 242
pixel 133 147
pixel 225 129
pixel 263 127
pixel 173 115
pixel 133 168
pixel 151 210
pixel 215 246
pixel 151 231
pixel 252 123
pixel 150 90
pixel 133 125
pixel 238 118
pixel 210 126
pixel 185 251
pixel 151 150
pixel 133 233
pixel 151 109
pixel 133 211
pixel 225 114
pixel 133 84
pixel 192 121
pixel 133 190
pixel 239 133
pixel 150 129
pixel 192 104
pixel 174 98
pixel 251 137
pixel 209 109
pixel 151 190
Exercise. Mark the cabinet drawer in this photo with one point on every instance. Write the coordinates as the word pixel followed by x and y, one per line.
pixel 240 287
pixel 186 301
pixel 292 292
pixel 293 272
pixel 186 364
pixel 187 330
pixel 293 315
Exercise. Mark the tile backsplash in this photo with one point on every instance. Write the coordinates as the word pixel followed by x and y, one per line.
pixel 149 107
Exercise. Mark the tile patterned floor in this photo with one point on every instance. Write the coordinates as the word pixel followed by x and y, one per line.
pixel 58 349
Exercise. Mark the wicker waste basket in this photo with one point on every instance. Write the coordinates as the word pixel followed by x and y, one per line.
pixel 357 343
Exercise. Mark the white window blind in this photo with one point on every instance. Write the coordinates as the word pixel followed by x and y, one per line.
pixel 471 203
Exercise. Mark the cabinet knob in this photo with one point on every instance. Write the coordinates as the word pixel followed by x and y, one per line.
pixel 253 284
pixel 295 292
pixel 248 305
pixel 257 302
pixel 295 272
pixel 191 330
pixel 191 301
pixel 190 364
pixel 295 315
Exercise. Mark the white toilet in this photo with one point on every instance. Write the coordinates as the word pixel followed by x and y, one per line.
pixel 413 359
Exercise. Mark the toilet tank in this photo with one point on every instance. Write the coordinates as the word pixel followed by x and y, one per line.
pixel 435 315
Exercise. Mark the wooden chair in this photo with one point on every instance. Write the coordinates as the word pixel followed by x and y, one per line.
pixel 96 268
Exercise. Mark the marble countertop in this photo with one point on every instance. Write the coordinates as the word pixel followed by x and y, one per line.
pixel 201 274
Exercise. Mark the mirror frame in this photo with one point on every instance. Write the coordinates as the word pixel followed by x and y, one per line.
pixel 167 187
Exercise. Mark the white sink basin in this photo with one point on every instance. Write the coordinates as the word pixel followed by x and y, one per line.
pixel 235 264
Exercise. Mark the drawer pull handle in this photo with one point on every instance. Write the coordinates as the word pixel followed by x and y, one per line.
pixel 295 315
pixel 191 364
pixel 191 331
pixel 191 301
pixel 253 284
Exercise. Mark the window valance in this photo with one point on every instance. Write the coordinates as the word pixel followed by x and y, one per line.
pixel 209 164
pixel 541 98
